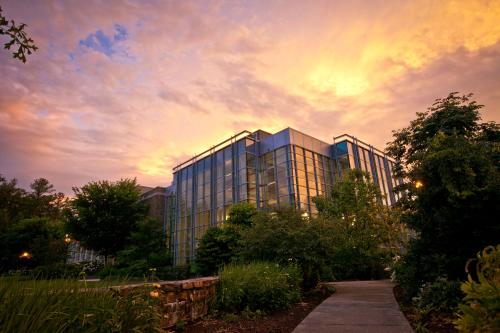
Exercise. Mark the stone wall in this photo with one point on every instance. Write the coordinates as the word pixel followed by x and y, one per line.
pixel 184 300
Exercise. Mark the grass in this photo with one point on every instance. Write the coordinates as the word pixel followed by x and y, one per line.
pixel 262 286
pixel 73 306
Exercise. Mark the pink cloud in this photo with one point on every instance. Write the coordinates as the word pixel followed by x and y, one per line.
pixel 188 74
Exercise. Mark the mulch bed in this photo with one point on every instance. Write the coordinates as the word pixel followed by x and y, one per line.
pixel 435 323
pixel 279 322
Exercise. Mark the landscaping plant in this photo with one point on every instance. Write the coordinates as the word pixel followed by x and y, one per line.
pixel 67 306
pixel 480 310
pixel 258 286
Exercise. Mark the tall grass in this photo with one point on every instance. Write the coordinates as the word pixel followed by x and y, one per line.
pixel 260 286
pixel 67 306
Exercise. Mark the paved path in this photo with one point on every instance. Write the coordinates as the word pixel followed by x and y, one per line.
pixel 357 306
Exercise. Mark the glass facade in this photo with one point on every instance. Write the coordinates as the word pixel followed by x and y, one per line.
pixel 286 168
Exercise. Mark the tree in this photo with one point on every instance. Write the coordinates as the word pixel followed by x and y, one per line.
pixel 40 238
pixel 364 232
pixel 285 237
pixel 104 214
pixel 18 37
pixel 12 203
pixel 220 244
pixel 241 214
pixel 146 250
pixel 217 247
pixel 41 197
pixel 450 162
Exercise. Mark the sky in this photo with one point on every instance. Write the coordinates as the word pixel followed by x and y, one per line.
pixel 123 89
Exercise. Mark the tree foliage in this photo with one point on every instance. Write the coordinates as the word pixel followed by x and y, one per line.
pixel 17 38
pixel 220 244
pixel 364 233
pixel 241 214
pixel 12 203
pixel 217 247
pixel 30 222
pixel 456 160
pixel 286 237
pixel 104 214
pixel 41 238
pixel 146 250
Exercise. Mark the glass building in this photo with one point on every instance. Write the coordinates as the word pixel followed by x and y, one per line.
pixel 268 170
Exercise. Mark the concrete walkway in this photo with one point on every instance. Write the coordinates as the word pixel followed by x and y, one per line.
pixel 357 306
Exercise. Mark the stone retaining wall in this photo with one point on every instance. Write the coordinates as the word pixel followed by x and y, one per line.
pixel 185 300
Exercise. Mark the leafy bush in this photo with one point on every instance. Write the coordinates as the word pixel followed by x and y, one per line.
pixel 56 271
pixel 263 286
pixel 417 268
pixel 144 256
pixel 42 238
pixel 217 247
pixel 480 311
pixel 220 244
pixel 181 272
pixel 364 233
pixel 90 267
pixel 284 236
pixel 64 306
pixel 441 296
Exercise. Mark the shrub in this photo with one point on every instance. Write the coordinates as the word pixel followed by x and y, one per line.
pixel 480 310
pixel 220 244
pixel 56 271
pixel 64 306
pixel 263 286
pixel 441 296
pixel 284 236
pixel 180 272
pixel 217 247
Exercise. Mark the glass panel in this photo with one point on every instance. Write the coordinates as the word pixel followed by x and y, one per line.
pixel 270 175
pixel 299 151
pixel 243 192
pixel 342 148
pixel 220 184
pixel 242 161
pixel 250 160
pixel 281 177
pixel 219 214
pixel 242 176
pixel 283 189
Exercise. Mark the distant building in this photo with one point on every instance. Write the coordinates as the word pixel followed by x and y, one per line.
pixel 160 201
pixel 78 254
pixel 287 168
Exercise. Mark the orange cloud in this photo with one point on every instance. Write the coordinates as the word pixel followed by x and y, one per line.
pixel 184 75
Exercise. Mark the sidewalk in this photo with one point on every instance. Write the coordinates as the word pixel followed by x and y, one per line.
pixel 357 306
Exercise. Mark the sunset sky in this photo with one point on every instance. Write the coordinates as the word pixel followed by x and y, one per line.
pixel 131 88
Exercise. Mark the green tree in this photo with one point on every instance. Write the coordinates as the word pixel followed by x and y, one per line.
pixel 241 214
pixel 220 244
pixel 286 237
pixel 12 203
pixel 450 162
pixel 104 214
pixel 18 37
pixel 146 249
pixel 41 197
pixel 217 247
pixel 41 238
pixel 364 232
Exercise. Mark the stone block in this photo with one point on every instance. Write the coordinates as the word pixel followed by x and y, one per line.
pixel 171 297
pixel 187 285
